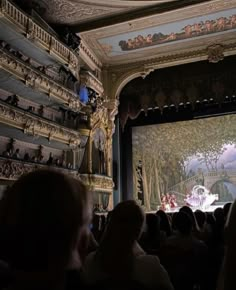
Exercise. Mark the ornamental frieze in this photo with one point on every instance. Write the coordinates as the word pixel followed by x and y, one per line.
pixel 122 74
pixel 99 118
pixel 13 169
pixel 33 125
pixel 97 182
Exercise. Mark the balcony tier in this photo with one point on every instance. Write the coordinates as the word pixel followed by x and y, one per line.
pixel 24 24
pixel 33 125
pixel 38 81
pixel 91 81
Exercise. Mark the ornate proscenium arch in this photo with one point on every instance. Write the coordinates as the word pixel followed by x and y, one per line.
pixel 126 78
pixel 200 82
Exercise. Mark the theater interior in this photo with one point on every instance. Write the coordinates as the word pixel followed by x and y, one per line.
pixel 135 98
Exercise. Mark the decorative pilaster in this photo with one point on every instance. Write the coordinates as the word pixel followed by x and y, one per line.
pixel 89 156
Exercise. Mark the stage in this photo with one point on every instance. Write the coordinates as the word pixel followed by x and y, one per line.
pixel 210 208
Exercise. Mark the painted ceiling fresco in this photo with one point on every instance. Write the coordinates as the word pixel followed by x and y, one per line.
pixel 184 30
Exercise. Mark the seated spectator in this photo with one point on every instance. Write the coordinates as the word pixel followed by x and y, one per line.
pixel 165 226
pixel 219 224
pixel 202 225
pixel 227 276
pixel 195 227
pixel 226 209
pixel 119 260
pixel 44 223
pixel 184 256
pixel 201 219
pixel 150 240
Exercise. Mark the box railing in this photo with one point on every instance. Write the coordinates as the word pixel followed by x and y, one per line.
pixel 35 32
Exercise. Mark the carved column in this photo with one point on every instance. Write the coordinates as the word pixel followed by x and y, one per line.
pixel 89 156
pixel 109 153
pixel 112 106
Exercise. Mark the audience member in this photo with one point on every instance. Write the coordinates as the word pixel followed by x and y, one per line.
pixel 119 259
pixel 165 226
pixel 150 240
pixel 228 273
pixel 183 255
pixel 44 222
pixel 226 209
pixel 201 219
pixel 195 227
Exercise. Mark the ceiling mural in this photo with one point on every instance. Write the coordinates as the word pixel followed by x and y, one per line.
pixel 180 31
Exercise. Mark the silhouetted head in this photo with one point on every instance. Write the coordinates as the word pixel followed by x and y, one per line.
pixel 229 265
pixel 164 222
pixel 200 217
pixel 96 222
pixel 126 221
pixel 226 209
pixel 183 223
pixel 153 224
pixel 219 216
pixel 190 213
pixel 44 218
pixel 117 248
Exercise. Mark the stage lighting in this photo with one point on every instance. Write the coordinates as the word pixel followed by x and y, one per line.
pixel 198 106
pixel 172 108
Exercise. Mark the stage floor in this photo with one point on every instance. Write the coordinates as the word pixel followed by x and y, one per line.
pixel 210 208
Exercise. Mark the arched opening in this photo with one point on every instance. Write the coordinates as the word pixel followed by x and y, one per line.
pixel 226 190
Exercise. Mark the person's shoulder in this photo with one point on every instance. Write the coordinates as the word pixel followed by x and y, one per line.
pixel 148 259
pixel 90 256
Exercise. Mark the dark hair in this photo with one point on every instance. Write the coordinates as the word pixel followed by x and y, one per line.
pixel 164 222
pixel 183 223
pixel 219 216
pixel 229 265
pixel 226 209
pixel 123 229
pixel 40 218
pixel 153 224
pixel 200 217
pixel 190 213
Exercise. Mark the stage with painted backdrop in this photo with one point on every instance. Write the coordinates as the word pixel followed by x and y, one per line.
pixel 185 163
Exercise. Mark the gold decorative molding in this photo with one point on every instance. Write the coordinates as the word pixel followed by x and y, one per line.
pixel 12 169
pixel 89 57
pixel 98 119
pixel 215 53
pixel 99 183
pixel 93 37
pixel 112 106
pixel 120 75
pixel 33 125
pixel 91 81
pixel 37 80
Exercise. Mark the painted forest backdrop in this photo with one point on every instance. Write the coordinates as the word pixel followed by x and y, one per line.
pixel 172 158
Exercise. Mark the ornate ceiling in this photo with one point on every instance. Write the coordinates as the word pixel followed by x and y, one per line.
pixel 75 11
pixel 139 33
pixel 180 30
